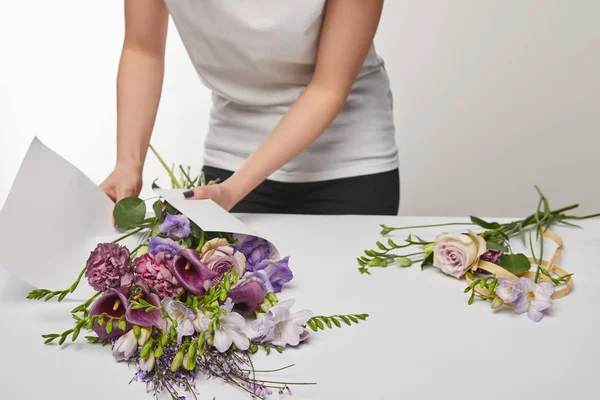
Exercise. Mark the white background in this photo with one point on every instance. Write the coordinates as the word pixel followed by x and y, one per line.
pixel 491 97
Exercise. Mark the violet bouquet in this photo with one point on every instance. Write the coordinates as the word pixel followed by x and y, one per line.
pixel 186 302
pixel 485 258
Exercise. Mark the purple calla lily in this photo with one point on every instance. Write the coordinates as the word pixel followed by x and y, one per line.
pixel 247 296
pixel 114 303
pixel 191 273
pixel 146 319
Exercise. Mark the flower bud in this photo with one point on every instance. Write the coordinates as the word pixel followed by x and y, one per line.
pixel 428 249
pixel 403 261
pixel 141 251
pixel 497 302
pixel 143 336
pixel 177 361
pixel 272 297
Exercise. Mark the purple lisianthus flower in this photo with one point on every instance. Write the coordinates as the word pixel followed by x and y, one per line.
pixel 114 303
pixel 281 328
pixel 535 298
pixel 278 272
pixel 183 315
pixel 176 226
pixel 255 249
pixel 247 295
pixel 508 290
pixel 109 267
pixel 158 244
pixel 143 318
pixel 492 256
pixel 191 273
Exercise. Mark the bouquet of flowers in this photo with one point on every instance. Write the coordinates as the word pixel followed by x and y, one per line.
pixel 185 301
pixel 486 259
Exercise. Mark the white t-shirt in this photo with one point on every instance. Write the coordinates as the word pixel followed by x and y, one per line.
pixel 257 57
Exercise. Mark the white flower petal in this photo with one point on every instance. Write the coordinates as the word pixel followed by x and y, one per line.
pixel 301 317
pixel 148 364
pixel 240 340
pixel 527 285
pixel 234 321
pixel 223 340
pixel 547 288
pixel 522 304
pixel 535 315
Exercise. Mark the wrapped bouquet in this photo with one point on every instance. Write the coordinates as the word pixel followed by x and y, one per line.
pixel 183 301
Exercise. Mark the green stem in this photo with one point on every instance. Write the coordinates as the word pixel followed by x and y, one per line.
pixel 426 226
pixel 169 170
pixel 138 230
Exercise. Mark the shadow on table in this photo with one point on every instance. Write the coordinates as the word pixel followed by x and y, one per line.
pixel 12 289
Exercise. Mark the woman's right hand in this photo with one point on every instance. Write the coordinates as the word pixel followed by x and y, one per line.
pixel 124 181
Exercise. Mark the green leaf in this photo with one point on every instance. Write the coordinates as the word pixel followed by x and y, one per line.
pixel 515 263
pixel 381 246
pixel 485 224
pixel 427 261
pixel 157 207
pixel 129 212
pixel 496 246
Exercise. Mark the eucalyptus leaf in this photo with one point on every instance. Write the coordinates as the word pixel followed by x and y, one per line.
pixel 129 212
pixel 515 263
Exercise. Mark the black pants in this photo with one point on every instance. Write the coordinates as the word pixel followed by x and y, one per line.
pixel 377 194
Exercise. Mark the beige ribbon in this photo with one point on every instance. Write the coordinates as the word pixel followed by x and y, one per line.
pixel 550 266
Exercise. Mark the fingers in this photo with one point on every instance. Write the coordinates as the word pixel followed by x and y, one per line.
pixel 199 193
pixel 110 191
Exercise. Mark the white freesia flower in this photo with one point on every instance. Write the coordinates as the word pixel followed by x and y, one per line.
pixel 147 365
pixel 183 315
pixel 281 328
pixel 125 346
pixel 230 330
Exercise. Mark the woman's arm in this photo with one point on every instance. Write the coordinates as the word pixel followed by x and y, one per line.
pixel 139 86
pixel 348 30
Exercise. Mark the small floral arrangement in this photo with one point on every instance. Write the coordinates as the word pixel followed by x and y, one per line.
pixel 185 302
pixel 486 259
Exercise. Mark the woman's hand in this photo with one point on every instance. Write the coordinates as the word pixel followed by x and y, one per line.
pixel 124 181
pixel 220 193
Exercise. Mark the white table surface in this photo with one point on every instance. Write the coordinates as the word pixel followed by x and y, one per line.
pixel 422 340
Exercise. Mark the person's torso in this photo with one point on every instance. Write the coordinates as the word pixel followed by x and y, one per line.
pixel 257 57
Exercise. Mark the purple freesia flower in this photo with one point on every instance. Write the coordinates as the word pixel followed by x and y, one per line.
pixel 166 245
pixel 508 290
pixel 191 273
pixel 183 315
pixel 114 303
pixel 278 272
pixel 247 295
pixel 535 298
pixel 176 226
pixel 108 266
pixel 255 249
pixel 281 328
pixel 143 318
pixel 230 329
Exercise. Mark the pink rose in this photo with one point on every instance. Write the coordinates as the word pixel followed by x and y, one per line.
pixel 219 256
pixel 456 254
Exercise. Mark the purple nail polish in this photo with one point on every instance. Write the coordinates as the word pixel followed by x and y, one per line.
pixel 188 194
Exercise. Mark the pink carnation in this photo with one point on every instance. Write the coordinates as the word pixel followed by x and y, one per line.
pixel 108 267
pixel 156 272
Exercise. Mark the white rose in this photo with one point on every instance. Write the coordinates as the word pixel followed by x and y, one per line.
pixel 456 254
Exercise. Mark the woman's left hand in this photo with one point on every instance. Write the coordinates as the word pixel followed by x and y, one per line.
pixel 220 193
